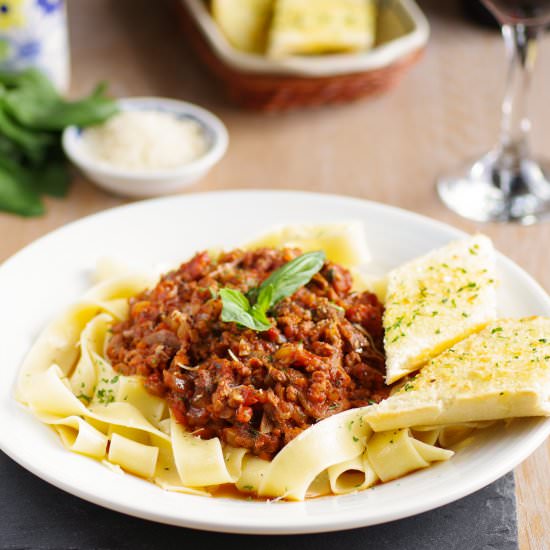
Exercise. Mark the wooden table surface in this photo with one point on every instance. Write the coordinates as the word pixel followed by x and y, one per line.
pixel 389 149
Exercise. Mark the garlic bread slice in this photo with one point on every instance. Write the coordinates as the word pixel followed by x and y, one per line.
pixel 501 372
pixel 437 300
pixel 304 27
pixel 245 23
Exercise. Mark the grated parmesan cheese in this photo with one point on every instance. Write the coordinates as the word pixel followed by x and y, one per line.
pixel 146 140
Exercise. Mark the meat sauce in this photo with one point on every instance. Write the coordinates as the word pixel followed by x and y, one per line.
pixel 256 390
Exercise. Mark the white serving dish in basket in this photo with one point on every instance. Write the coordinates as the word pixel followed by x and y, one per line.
pixel 414 36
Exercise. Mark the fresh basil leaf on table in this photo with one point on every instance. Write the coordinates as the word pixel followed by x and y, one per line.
pixel 283 282
pixel 32 116
pixel 34 102
pixel 18 196
pixel 32 144
pixel 53 179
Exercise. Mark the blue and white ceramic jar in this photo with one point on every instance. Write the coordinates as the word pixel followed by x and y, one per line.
pixel 33 33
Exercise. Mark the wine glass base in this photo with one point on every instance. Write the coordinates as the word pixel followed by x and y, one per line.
pixel 493 189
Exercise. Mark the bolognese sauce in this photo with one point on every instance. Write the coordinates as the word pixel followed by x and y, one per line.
pixel 257 390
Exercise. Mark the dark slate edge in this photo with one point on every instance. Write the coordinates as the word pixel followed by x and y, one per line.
pixel 35 515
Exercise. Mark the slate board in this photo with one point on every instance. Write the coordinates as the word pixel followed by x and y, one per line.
pixel 36 515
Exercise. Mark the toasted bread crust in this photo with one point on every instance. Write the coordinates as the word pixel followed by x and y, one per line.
pixel 437 300
pixel 501 372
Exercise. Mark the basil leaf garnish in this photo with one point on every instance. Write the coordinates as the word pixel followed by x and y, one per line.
pixel 236 309
pixel 259 309
pixel 283 282
pixel 290 277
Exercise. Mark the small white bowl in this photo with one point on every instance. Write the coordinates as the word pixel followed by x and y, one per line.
pixel 150 183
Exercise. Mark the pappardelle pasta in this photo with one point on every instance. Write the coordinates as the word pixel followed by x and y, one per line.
pixel 69 383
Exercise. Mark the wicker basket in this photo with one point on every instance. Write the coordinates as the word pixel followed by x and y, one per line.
pixel 267 86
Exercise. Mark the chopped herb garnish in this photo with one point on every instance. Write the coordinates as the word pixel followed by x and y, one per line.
pixel 105 396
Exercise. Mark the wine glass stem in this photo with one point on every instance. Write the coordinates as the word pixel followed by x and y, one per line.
pixel 521 46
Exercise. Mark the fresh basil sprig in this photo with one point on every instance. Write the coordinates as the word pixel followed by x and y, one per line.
pixel 32 117
pixel 237 309
pixel 251 310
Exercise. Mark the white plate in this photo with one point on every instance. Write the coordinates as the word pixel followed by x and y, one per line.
pixel 51 273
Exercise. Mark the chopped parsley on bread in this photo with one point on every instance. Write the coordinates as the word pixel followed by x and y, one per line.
pixel 501 372
pixel 437 300
pixel 305 27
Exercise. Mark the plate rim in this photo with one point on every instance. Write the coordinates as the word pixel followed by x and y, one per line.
pixel 314 525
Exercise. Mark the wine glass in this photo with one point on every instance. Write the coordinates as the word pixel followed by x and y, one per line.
pixel 507 184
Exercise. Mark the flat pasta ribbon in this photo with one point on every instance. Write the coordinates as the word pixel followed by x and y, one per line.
pixel 67 382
